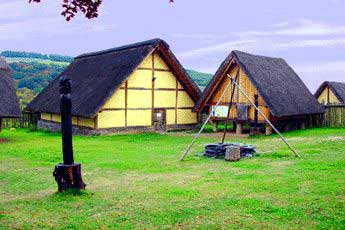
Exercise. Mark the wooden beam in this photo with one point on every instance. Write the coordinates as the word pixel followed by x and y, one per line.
pixel 176 98
pixel 155 69
pixel 126 101
pixel 95 120
pixel 156 89
pixel 328 94
pixel 153 89
pixel 141 108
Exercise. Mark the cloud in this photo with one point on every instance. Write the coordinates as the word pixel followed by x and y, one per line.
pixel 51 26
pixel 299 27
pixel 301 33
pixel 313 74
pixel 324 67
pixel 217 48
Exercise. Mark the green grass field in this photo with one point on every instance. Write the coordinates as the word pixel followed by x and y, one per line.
pixel 136 181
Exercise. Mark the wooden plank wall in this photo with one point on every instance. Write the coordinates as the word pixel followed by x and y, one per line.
pixel 27 120
pixel 334 116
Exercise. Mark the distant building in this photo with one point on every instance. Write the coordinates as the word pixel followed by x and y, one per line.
pixel 140 86
pixel 281 94
pixel 331 93
pixel 9 105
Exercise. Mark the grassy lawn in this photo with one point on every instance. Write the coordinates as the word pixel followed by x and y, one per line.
pixel 136 181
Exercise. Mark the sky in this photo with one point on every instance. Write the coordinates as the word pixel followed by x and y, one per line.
pixel 309 35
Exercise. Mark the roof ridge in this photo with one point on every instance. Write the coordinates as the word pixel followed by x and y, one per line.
pixel 255 55
pixel 338 82
pixel 153 42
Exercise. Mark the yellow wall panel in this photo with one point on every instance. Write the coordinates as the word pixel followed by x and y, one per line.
pixel 323 96
pixel 111 119
pixel 139 118
pixel 86 122
pixel 45 116
pixel 165 99
pixel 165 80
pixel 332 98
pixel 56 118
pixel 184 100
pixel 249 89
pixel 74 121
pixel 147 63
pixel 159 62
pixel 170 116
pixel 140 78
pixel 117 100
pixel 139 98
pixel 186 116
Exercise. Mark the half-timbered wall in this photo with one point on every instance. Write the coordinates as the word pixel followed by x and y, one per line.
pixel 328 97
pixel 79 121
pixel 151 86
pixel 250 90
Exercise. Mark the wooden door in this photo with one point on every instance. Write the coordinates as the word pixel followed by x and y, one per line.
pixel 159 120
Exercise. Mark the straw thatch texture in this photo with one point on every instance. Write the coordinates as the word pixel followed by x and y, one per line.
pixel 9 106
pixel 96 76
pixel 280 87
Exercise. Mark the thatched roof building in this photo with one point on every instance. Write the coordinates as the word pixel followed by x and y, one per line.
pixel 147 71
pixel 9 105
pixel 331 92
pixel 281 92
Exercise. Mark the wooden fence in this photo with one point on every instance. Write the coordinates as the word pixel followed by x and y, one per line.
pixel 334 116
pixel 27 120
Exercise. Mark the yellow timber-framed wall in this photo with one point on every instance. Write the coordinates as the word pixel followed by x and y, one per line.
pixel 328 97
pixel 151 86
pixel 239 98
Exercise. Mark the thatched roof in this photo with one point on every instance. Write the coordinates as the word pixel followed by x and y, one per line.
pixel 338 89
pixel 280 87
pixel 96 76
pixel 9 106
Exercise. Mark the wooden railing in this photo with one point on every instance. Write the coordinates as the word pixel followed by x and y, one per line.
pixel 27 120
pixel 334 116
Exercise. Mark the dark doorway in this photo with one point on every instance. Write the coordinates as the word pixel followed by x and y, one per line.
pixel 159 120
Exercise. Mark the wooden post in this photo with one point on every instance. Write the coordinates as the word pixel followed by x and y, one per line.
pixel 232 153
pixel 67 174
pixel 0 124
pixel 269 130
pixel 126 102
pixel 153 88
pixel 230 106
pixel 302 125
pixel 239 128
pixel 256 101
pixel 214 126
pixel 234 125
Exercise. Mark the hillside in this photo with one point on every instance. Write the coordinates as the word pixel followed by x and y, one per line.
pixel 33 71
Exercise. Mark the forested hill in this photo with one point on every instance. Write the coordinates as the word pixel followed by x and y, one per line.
pixel 33 71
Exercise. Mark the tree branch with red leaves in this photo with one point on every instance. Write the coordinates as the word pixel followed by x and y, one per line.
pixel 88 7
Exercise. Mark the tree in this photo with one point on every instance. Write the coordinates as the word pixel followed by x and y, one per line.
pixel 88 7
